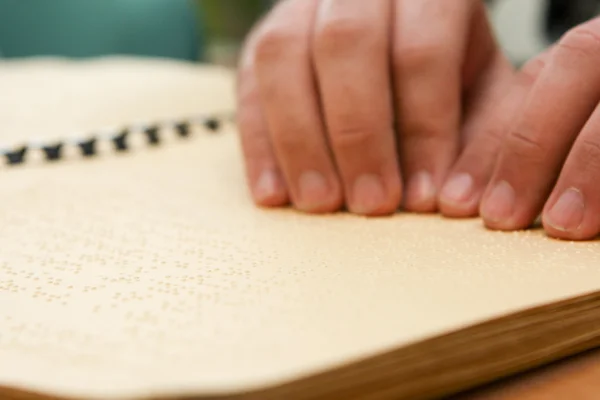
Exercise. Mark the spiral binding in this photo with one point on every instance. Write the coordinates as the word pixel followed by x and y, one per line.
pixel 87 146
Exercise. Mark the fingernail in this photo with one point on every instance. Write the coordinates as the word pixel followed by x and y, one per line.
pixel 313 189
pixel 421 188
pixel 369 194
pixel 500 204
pixel 267 186
pixel 568 212
pixel 458 189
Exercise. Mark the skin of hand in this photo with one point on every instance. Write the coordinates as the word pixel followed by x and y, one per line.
pixel 376 105
pixel 549 161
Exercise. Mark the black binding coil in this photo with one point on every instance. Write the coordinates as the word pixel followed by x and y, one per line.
pixel 118 138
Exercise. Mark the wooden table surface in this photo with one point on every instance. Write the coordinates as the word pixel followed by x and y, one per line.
pixel 577 378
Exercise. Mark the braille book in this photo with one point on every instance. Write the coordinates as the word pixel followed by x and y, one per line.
pixel 134 265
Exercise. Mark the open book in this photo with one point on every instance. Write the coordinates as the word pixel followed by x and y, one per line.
pixel 147 272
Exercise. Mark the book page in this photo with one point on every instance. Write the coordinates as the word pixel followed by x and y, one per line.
pixel 152 273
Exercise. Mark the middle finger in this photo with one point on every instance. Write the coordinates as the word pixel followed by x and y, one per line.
pixel 351 52
pixel 428 63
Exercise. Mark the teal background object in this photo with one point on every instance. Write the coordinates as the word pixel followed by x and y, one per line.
pixel 88 28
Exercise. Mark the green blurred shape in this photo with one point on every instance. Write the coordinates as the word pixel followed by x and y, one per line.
pixel 225 24
pixel 230 18
pixel 87 28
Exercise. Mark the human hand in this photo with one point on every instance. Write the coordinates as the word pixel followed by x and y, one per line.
pixel 550 157
pixel 368 105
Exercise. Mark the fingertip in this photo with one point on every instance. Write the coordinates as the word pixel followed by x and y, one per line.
pixel 557 232
pixel 497 207
pixel 317 193
pixel 459 198
pixel 499 210
pixel 326 205
pixel 459 210
pixel 421 192
pixel 275 201
pixel 395 196
pixel 565 217
pixel 372 195
pixel 269 190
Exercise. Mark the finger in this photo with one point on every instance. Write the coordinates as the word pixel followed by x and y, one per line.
pixel 487 122
pixel 266 183
pixel 427 78
pixel 351 51
pixel 289 97
pixel 573 209
pixel 556 109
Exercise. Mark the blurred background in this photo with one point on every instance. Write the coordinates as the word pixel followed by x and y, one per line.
pixel 213 30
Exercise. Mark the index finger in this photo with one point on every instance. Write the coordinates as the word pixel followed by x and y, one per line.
pixel 558 106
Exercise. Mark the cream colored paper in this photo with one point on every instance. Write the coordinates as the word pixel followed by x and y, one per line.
pixel 152 273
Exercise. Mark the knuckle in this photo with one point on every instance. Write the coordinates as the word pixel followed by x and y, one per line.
pixel 589 154
pixel 486 140
pixel 530 72
pixel 493 135
pixel 424 133
pixel 426 129
pixel 256 146
pixel 481 152
pixel 581 40
pixel 248 48
pixel 428 118
pixel 522 146
pixel 274 42
pixel 293 140
pixel 255 143
pixel 351 136
pixel 341 34
pixel 416 56
pixel 288 144
pixel 246 90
